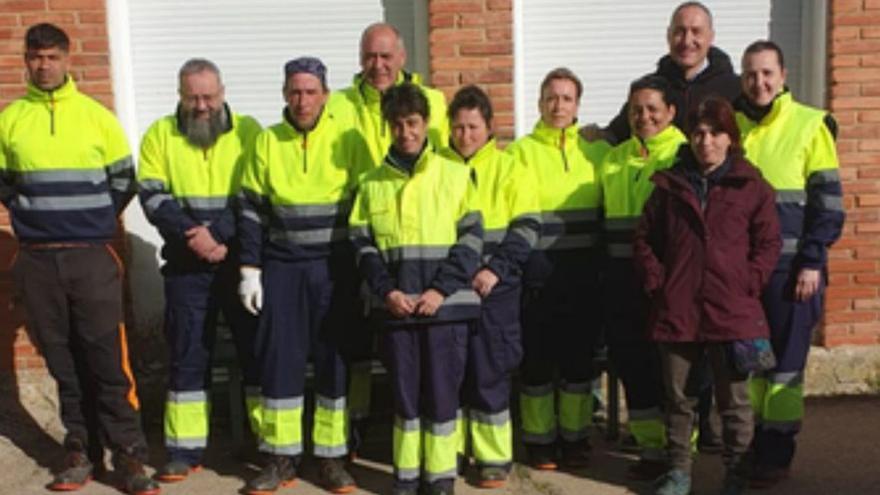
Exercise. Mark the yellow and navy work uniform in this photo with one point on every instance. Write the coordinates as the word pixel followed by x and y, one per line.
pixel 509 205
pixel 361 105
pixel 183 186
pixel 296 197
pixel 793 146
pixel 626 185
pixel 416 226
pixel 560 283
pixel 65 176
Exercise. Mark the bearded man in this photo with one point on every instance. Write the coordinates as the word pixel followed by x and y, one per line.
pixel 189 175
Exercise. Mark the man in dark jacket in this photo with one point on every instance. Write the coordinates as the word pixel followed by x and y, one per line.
pixel 693 67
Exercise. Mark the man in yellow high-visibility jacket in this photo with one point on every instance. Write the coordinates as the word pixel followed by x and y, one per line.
pixel 189 173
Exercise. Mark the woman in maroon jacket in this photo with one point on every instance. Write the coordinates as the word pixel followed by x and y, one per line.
pixel 706 245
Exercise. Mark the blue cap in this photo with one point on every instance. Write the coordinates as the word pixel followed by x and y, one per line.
pixel 308 65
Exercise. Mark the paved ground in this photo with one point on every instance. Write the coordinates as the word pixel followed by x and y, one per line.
pixel 838 455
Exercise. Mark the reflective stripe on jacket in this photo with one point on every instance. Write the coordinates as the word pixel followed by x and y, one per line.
pixel 794 148
pixel 413 232
pixel 65 167
pixel 183 185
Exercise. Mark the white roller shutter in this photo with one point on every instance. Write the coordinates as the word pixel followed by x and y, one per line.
pixel 609 43
pixel 250 41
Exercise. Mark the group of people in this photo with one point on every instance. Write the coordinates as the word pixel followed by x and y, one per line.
pixel 685 235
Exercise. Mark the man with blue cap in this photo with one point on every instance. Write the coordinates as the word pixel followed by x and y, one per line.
pixel 297 271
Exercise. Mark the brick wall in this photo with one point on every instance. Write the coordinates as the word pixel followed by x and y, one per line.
pixel 853 306
pixel 472 43
pixel 85 23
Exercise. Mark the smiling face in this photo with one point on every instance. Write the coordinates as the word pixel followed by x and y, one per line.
pixel 382 57
pixel 409 133
pixel 648 113
pixel 559 103
pixel 470 131
pixel 690 35
pixel 762 77
pixel 47 67
pixel 305 97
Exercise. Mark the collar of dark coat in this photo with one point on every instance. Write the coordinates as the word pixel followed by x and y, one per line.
pixel 675 180
pixel 719 64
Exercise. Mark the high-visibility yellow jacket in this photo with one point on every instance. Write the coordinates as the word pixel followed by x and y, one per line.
pixel 183 185
pixel 625 181
pixel 564 168
pixel 362 104
pixel 509 205
pixel 65 167
pixel 297 189
pixel 793 146
pixel 420 230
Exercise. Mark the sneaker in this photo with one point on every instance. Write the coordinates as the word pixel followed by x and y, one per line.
pixel 132 479
pixel 491 477
pixel 647 470
pixel 333 476
pixel 175 471
pixel 76 473
pixel 542 457
pixel 674 482
pixel 278 472
pixel 576 454
pixel 768 476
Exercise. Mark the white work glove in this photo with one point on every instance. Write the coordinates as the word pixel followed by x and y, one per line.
pixel 250 289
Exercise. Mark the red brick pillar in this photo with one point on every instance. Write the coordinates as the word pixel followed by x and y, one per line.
pixel 85 22
pixel 472 43
pixel 853 305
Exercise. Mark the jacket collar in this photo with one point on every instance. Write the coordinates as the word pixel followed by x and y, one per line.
pixel 719 63
pixel 669 136
pixel 766 115
pixel 62 92
pixel 420 164
pixel 674 179
pixel 372 95
pixel 475 159
pixel 553 136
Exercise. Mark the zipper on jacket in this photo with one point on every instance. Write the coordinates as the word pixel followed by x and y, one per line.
pixel 562 150
pixel 52 113
pixel 305 148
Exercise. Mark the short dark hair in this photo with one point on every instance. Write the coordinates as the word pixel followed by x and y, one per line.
pixel 403 100
pixel 717 113
pixel 562 73
pixel 45 35
pixel 471 97
pixel 657 83
pixel 764 45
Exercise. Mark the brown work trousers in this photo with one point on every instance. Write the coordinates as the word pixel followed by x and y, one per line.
pixel 682 363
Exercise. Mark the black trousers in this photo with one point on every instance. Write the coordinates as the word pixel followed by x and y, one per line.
pixel 73 298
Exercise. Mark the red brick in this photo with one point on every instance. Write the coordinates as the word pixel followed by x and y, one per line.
pixel 92 17
pixel 444 78
pixel 22 6
pixel 844 61
pixel 838 90
pixel 486 77
pixel 456 35
pixel 845 32
pixel 443 20
pixel 493 19
pixel 458 63
pixel 839 340
pixel 855 46
pixel 870 60
pixel 867 131
pixel 76 4
pixel 443 50
pixel 872 4
pixel 501 62
pixel 869 145
pixel 854 266
pixel 844 304
pixel 838 6
pixel 60 18
pixel 499 4
pixel 856 103
pixel 852 292
pixel 857 19
pixel 851 317
pixel 498 33
pixel 100 45
pixel 859 74
pixel 486 48
pixel 501 91
pixel 863 304
pixel 81 31
pixel 458 7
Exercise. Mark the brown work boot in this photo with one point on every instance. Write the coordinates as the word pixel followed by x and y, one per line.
pixel 131 477
pixel 333 476
pixel 542 457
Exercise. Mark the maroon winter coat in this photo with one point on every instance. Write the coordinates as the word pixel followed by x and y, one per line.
pixel 705 268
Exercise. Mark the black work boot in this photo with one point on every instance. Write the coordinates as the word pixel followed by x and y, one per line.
pixel 576 454
pixel 279 471
pixel 333 476
pixel 77 469
pixel 132 479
